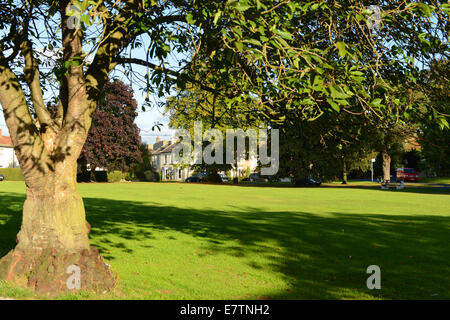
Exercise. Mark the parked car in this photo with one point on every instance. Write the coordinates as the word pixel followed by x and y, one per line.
pixel 308 182
pixel 2 177
pixel 255 177
pixel 278 179
pixel 407 174
pixel 193 179
pixel 197 177
pixel 202 175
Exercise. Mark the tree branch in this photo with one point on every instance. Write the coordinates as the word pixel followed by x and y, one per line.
pixel 117 37
pixel 27 141
pixel 31 71
pixel 123 60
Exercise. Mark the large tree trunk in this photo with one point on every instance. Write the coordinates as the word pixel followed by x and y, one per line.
pixel 54 237
pixel 53 245
pixel 386 166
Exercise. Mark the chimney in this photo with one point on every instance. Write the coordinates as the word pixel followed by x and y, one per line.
pixel 158 139
pixel 0 132
pixel 150 147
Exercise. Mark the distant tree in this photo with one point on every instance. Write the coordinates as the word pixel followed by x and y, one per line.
pixel 194 104
pixel 390 143
pixel 435 143
pixel 113 141
pixel 143 169
pixel 326 148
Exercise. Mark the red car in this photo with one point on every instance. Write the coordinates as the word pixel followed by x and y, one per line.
pixel 407 174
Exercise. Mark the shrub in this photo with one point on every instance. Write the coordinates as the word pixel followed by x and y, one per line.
pixel 114 176
pixel 12 174
pixel 130 176
pixel 248 172
pixel 148 175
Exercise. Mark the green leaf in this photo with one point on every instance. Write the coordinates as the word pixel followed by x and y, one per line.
pixel 190 18
pixel 264 38
pixel 253 41
pixel 376 102
pixel 341 47
pixel 337 93
pixel 217 16
pixel 357 73
pixel 240 5
pixel 285 34
pixel 446 8
pixel 334 105
pixel 239 45
pixel 425 9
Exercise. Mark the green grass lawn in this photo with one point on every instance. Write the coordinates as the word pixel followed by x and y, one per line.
pixel 193 241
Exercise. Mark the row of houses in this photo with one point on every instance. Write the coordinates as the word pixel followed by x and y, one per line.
pixel 162 162
pixel 8 158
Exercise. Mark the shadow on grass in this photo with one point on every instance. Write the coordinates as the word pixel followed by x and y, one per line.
pixel 318 256
pixel 431 189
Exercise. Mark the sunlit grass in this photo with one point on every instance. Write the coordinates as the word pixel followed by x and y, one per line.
pixel 189 241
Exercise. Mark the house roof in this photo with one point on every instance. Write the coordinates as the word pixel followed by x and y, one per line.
pixel 165 149
pixel 6 142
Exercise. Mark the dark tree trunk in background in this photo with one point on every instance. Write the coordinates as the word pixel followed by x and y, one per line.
pixel 344 172
pixel 386 166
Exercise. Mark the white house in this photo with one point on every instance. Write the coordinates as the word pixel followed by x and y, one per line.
pixel 7 156
pixel 162 163
pixel 161 152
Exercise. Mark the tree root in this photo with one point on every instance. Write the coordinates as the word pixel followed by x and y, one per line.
pixel 54 271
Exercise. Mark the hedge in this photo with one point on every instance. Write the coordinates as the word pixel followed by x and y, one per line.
pixel 15 174
pixel 115 176
pixel 12 174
